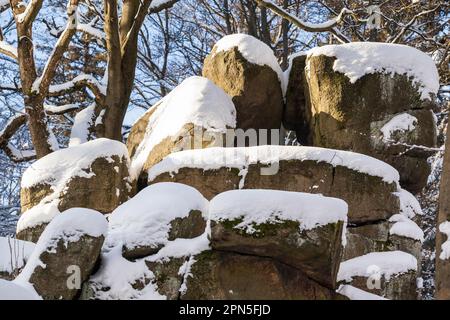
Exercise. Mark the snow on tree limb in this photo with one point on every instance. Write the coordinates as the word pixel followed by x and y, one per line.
pixel 42 83
pixel 8 50
pixel 310 27
pixel 59 110
pixel 82 80
pixel 159 5
pixel 27 17
pixel 13 125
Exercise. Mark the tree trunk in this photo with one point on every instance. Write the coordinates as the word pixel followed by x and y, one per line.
pixel 37 119
pixel 443 266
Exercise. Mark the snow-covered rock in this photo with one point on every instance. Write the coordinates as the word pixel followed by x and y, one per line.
pixel 303 230
pixel 247 69
pixel 194 115
pixel 372 98
pixel 386 58
pixel 90 175
pixel 65 254
pixel 390 274
pixel 366 184
pixel 353 293
pixel 12 291
pixel 158 214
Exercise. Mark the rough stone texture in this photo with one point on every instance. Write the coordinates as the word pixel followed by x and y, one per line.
pixel 398 287
pixel 442 277
pixel 98 192
pixel 369 198
pixel 316 252
pixel 225 275
pixel 364 239
pixel 167 277
pixel 31 234
pixel 255 90
pixel 107 188
pixel 51 282
pixel 347 116
pixel 411 246
pixel 189 227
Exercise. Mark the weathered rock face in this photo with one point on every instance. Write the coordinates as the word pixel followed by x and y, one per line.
pixel 328 110
pixel 365 239
pixel 316 252
pixel 225 275
pixel 255 89
pixel 399 287
pixel 392 275
pixel 155 216
pixel 91 175
pixel 66 254
pixel 381 236
pixel 369 197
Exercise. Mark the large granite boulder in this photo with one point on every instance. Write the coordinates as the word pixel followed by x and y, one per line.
pixel 304 231
pixel 392 274
pixel 196 114
pixel 157 215
pixel 371 98
pixel 14 254
pixel 65 254
pixel 217 275
pixel 90 175
pixel 368 185
pixel 249 72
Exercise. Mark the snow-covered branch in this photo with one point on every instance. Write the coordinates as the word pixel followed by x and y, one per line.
pixel 91 30
pixel 159 5
pixel 310 27
pixel 30 13
pixel 411 23
pixel 58 110
pixel 82 80
pixel 11 127
pixel 42 83
pixel 8 50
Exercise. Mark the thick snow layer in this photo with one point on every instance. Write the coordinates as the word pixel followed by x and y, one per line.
pixel 119 274
pixel 14 253
pixel 58 167
pixel 383 264
pixel 409 206
pixel 145 219
pixel 39 214
pixel 256 207
pixel 241 158
pixel 12 291
pixel 82 122
pixel 354 293
pixel 69 226
pixel 196 100
pixel 405 227
pixel 444 227
pixel 253 50
pixel 357 59
pixel 403 122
